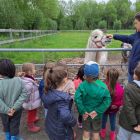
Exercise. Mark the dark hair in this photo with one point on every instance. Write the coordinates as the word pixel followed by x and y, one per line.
pixel 137 71
pixel 80 73
pixel 7 68
pixel 111 79
pixel 54 77
pixel 137 16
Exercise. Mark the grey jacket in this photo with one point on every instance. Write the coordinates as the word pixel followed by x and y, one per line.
pixel 12 94
pixel 130 113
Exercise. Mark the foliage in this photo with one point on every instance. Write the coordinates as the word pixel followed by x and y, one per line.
pixel 117 25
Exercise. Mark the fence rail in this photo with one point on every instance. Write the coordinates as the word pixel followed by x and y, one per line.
pixel 21 35
pixel 59 50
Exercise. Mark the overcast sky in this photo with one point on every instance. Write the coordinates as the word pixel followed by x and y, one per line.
pixel 107 0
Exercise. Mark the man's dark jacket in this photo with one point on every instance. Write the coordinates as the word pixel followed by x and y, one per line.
pixel 134 40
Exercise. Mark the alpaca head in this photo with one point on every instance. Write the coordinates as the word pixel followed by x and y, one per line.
pixel 98 39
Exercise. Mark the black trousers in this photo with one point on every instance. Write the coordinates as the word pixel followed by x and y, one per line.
pixel 11 123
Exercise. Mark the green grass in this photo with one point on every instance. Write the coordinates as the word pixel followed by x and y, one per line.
pixel 60 40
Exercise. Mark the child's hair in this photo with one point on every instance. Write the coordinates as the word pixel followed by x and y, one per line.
pixel 80 73
pixel 54 77
pixel 7 68
pixel 47 66
pixel 112 77
pixel 137 71
pixel 27 67
pixel 137 16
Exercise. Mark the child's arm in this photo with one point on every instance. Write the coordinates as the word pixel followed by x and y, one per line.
pixel 79 102
pixel 21 99
pixel 105 103
pixel 66 115
pixel 3 107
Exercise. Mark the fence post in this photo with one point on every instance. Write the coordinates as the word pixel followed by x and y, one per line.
pixel 22 34
pixel 11 34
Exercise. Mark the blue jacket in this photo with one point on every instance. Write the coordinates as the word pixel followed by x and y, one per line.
pixel 59 120
pixel 134 40
pixel 41 88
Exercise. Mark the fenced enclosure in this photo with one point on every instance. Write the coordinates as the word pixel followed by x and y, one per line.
pixel 73 66
pixel 12 35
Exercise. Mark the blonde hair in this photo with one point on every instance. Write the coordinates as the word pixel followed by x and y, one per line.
pixel 27 67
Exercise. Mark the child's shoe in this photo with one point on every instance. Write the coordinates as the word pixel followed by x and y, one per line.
pixel 33 128
pixel 13 138
pixel 103 133
pixel 7 136
pixel 112 135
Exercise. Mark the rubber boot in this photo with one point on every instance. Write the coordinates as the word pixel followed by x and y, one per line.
pixel 103 133
pixel 14 138
pixel 112 135
pixel 33 128
pixel 7 136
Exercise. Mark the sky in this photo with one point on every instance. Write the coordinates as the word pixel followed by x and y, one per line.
pixel 107 0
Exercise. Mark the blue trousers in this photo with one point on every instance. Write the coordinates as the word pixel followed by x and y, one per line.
pixel 124 134
pixel 112 118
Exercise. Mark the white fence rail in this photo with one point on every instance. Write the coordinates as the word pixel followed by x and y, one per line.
pixel 22 35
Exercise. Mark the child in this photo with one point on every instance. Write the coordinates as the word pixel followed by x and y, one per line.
pixel 116 92
pixel 41 84
pixel 12 96
pixel 92 99
pixel 34 101
pixel 134 40
pixel 79 78
pixel 129 118
pixel 59 120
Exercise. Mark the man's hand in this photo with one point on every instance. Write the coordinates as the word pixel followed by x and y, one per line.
pixel 93 114
pixel 85 116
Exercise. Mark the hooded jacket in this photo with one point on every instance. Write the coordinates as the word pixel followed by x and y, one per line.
pixel 130 113
pixel 60 119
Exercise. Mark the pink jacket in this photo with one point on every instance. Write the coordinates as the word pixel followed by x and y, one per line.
pixel 77 82
pixel 34 100
pixel 117 100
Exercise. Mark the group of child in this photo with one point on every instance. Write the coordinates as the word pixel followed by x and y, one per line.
pixel 95 101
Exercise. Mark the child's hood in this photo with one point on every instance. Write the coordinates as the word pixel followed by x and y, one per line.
pixel 27 80
pixel 137 82
pixel 55 96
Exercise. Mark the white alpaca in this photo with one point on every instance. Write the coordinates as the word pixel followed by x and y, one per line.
pixel 97 39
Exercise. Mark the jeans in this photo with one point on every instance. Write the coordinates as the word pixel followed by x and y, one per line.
pixel 124 134
pixel 112 118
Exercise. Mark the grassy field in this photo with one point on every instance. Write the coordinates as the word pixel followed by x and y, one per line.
pixel 72 39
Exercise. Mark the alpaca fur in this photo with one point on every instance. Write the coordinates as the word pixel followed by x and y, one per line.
pixel 97 39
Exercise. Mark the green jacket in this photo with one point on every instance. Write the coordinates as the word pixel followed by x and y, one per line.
pixel 92 97
pixel 12 94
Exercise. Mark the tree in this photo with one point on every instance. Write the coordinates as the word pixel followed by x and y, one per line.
pixel 102 24
pixel 117 25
